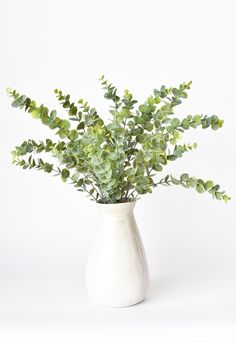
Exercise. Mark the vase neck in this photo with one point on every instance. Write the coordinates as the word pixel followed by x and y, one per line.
pixel 117 209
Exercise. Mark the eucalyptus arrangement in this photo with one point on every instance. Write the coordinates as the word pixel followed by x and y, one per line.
pixel 116 162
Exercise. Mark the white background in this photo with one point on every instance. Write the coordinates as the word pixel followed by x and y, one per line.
pixel 46 226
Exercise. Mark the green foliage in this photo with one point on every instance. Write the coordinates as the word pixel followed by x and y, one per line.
pixel 192 182
pixel 118 161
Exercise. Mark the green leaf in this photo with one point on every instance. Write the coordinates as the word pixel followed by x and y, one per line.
pixel 157 167
pixel 175 181
pixel 178 153
pixel 175 123
pixel 18 102
pixel 80 183
pixel 35 114
pixel 73 110
pixel 64 124
pixel 135 132
pixel 88 121
pixel 53 114
pixel 148 126
pixel 150 100
pixel 200 188
pixel 92 111
pixel 185 124
pixel 142 108
pixel 107 165
pixel 184 177
pixel 171 157
pixel 65 173
pixel 73 135
pixel 63 133
pixel 80 126
pixel 192 182
pixel 226 198
pixel 208 185
pixel 75 176
pixel 66 104
pixel 45 118
pixel 118 194
pixel 109 95
pixel 48 167
pixel 197 119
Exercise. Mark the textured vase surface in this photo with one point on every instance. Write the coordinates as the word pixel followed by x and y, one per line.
pixel 117 271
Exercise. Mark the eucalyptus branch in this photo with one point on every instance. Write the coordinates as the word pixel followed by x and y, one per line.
pixel 192 182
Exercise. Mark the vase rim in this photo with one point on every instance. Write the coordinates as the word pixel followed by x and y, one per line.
pixel 117 203
pixel 129 205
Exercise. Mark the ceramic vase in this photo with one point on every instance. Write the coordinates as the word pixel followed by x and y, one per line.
pixel 117 271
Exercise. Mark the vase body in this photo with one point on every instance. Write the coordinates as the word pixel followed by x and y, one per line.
pixel 117 271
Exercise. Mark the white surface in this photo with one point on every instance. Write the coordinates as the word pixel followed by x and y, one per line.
pixel 55 308
pixel 46 226
pixel 117 271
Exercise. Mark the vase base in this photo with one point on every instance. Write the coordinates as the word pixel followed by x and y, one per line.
pixel 117 304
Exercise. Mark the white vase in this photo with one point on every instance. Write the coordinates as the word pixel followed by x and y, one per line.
pixel 117 271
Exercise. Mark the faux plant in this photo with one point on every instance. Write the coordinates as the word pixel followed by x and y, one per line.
pixel 118 161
